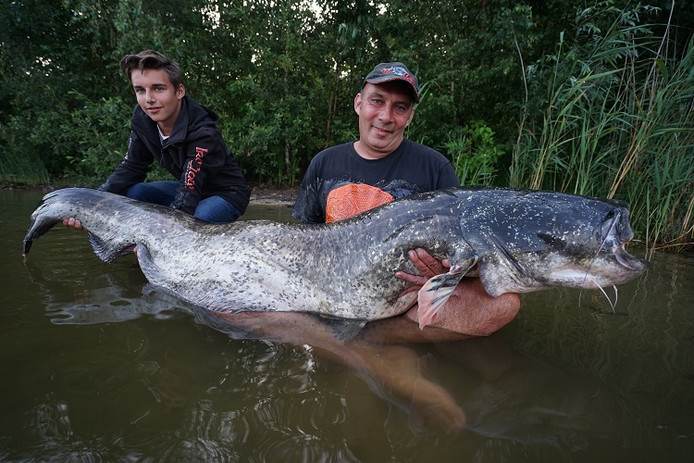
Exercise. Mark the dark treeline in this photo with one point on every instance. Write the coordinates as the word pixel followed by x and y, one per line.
pixel 589 97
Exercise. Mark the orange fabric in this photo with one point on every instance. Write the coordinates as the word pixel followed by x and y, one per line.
pixel 353 199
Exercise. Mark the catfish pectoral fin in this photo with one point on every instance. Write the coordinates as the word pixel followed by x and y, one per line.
pixel 106 250
pixel 434 294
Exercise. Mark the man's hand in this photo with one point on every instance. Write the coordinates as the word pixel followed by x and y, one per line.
pixel 469 310
pixel 427 266
pixel 72 222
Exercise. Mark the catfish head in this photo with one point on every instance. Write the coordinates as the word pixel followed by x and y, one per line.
pixel 551 239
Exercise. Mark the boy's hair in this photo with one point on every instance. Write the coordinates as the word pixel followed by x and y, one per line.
pixel 150 59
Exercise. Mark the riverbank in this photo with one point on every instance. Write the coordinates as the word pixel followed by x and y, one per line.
pixel 273 196
pixel 260 194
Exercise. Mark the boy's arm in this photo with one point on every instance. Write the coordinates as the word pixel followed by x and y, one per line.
pixel 131 170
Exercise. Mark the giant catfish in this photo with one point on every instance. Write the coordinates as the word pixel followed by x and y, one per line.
pixel 515 241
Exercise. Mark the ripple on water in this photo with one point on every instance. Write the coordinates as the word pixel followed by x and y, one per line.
pixel 55 440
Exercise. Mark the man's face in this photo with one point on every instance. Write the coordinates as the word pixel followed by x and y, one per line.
pixel 384 110
pixel 157 96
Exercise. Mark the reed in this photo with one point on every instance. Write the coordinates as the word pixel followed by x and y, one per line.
pixel 617 123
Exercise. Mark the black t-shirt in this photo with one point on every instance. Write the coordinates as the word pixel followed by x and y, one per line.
pixel 339 183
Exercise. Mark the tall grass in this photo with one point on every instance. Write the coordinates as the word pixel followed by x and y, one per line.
pixel 617 123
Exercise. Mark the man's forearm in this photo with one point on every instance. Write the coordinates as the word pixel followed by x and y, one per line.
pixel 471 311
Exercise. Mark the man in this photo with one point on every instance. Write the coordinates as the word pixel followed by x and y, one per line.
pixel 381 166
pixel 171 128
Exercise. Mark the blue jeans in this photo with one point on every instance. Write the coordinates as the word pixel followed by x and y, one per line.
pixel 214 209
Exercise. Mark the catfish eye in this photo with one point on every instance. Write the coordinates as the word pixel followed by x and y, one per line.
pixel 552 241
pixel 608 231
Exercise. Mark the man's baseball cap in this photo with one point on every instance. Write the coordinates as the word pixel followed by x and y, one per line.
pixel 387 72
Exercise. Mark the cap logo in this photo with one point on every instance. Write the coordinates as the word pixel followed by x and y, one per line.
pixel 398 71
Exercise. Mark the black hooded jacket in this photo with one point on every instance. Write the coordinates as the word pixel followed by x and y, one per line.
pixel 195 154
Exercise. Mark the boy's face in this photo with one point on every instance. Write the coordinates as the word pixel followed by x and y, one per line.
pixel 384 110
pixel 157 96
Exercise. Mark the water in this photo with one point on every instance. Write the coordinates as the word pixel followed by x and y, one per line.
pixel 98 366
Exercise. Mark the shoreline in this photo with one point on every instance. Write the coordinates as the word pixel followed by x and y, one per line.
pixel 261 195
pixel 269 196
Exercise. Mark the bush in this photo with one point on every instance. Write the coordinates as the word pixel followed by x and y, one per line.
pixel 474 154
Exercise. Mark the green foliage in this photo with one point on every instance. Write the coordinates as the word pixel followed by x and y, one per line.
pixel 98 131
pixel 22 169
pixel 474 154
pixel 466 54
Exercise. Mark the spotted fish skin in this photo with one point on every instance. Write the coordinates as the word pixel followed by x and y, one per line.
pixel 518 241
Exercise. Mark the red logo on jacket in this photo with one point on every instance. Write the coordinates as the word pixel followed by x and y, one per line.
pixel 194 167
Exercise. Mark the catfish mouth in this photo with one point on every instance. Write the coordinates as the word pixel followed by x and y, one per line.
pixel 608 268
pixel 626 260
pixel 617 234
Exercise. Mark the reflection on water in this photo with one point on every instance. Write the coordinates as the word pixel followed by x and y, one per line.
pixel 644 352
pixel 109 305
pixel 99 366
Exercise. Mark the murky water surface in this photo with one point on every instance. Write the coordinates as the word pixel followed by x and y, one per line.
pixel 99 366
